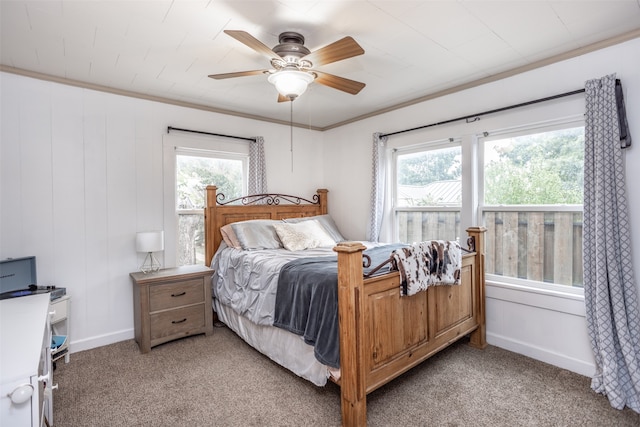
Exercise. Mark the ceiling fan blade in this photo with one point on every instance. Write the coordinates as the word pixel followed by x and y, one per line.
pixel 340 83
pixel 282 98
pixel 238 74
pixel 252 42
pixel 336 51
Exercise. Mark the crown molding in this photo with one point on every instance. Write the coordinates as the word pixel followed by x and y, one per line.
pixel 489 79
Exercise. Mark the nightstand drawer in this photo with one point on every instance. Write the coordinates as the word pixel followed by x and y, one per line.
pixel 176 322
pixel 175 294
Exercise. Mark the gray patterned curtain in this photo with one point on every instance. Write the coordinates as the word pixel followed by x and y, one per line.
pixel 611 299
pixel 257 168
pixel 377 186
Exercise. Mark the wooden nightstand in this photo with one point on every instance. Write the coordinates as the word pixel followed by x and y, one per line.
pixel 171 303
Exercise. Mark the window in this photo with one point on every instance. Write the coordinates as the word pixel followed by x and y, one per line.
pixel 427 192
pixel 531 203
pixel 195 169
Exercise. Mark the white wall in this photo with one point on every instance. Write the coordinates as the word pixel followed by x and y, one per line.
pixel 546 326
pixel 81 171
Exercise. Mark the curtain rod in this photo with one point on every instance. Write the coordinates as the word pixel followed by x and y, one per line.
pixel 476 116
pixel 169 128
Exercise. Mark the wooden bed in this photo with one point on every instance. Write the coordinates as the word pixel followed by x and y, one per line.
pixel 382 334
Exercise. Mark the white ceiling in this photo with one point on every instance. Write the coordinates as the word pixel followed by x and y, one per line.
pixel 413 49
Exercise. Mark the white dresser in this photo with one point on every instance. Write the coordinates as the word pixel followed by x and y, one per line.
pixel 26 374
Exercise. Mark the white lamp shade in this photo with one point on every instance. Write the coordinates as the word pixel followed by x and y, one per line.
pixel 291 83
pixel 150 241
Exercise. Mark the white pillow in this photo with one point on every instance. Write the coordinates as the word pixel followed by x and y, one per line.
pixel 326 221
pixel 303 235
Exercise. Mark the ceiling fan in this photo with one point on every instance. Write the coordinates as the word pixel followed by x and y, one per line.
pixel 293 63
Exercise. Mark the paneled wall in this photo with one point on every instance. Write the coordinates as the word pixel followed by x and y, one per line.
pixel 81 171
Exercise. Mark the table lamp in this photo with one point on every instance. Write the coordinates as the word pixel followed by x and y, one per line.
pixel 150 242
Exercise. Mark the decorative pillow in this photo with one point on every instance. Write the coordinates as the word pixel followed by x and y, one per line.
pixel 326 221
pixel 303 235
pixel 229 237
pixel 257 234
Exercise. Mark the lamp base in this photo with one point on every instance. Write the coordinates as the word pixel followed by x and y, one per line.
pixel 150 264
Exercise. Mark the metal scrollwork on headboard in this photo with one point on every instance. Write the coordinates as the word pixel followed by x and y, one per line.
pixel 267 199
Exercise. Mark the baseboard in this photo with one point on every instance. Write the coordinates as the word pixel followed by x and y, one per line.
pixel 562 361
pixel 100 340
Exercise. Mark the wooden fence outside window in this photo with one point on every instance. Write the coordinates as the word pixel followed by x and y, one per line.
pixel 540 246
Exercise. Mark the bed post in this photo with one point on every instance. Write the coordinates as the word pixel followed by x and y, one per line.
pixel 322 200
pixel 351 321
pixel 209 232
pixel 479 336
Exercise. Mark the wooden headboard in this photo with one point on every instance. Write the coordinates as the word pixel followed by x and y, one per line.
pixel 219 212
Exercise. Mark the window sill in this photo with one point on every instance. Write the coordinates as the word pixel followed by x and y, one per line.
pixel 569 302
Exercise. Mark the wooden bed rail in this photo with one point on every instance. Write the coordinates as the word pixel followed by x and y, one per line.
pixel 356 318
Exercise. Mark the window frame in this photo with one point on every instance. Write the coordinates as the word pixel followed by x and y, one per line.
pixel 209 154
pixel 420 148
pixel 521 130
pixel 213 154
pixel 201 146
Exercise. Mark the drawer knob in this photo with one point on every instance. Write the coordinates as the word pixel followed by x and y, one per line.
pixel 21 394
pixel 179 295
pixel 179 321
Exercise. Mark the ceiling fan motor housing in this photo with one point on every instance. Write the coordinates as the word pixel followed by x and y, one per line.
pixel 291 47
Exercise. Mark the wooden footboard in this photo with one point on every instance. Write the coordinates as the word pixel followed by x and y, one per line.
pixel 383 334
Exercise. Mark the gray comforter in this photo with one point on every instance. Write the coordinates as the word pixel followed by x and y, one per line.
pixel 247 281
pixel 307 301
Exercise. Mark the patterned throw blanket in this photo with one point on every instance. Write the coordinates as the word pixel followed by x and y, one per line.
pixel 435 262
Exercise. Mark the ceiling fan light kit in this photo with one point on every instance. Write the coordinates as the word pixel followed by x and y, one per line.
pixel 292 63
pixel 291 83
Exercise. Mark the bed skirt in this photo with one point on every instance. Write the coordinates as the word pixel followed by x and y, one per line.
pixel 283 347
